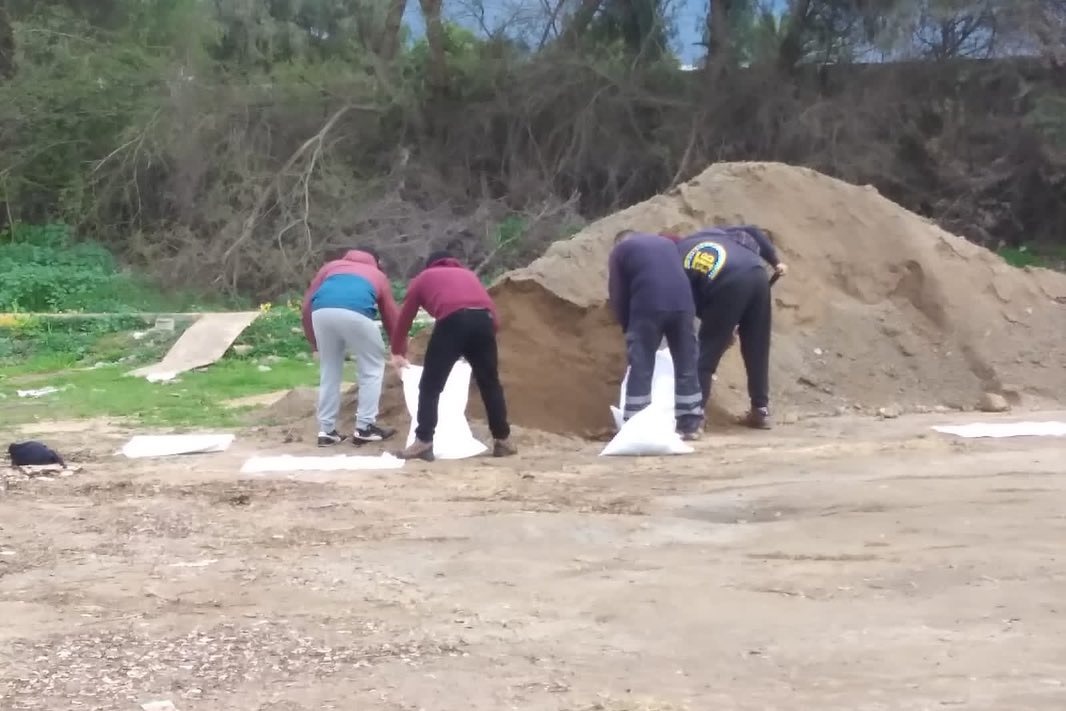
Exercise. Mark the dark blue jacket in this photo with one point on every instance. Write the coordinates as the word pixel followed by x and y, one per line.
pixel 645 278
pixel 715 255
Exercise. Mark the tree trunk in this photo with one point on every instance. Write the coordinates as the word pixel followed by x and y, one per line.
pixel 579 22
pixel 438 69
pixel 7 46
pixel 389 45
pixel 718 36
pixel 791 49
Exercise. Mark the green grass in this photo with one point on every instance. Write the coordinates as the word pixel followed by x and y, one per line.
pixel 1050 256
pixel 43 270
pixel 88 357
pixel 193 399
pixel 278 332
pixel 44 345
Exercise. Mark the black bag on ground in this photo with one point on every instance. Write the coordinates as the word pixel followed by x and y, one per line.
pixel 29 454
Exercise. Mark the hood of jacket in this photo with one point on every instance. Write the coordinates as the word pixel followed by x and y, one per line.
pixel 360 257
pixel 445 262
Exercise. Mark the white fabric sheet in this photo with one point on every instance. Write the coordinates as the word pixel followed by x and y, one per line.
pixel 652 431
pixel 168 445
pixel 453 438
pixel 1005 429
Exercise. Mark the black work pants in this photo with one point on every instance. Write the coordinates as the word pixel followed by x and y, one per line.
pixel 743 303
pixel 468 334
pixel 644 334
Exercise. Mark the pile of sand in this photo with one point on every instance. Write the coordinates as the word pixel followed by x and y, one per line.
pixel 881 309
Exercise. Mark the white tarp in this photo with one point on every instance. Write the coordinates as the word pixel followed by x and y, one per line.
pixel 340 462
pixel 453 438
pixel 40 392
pixel 202 344
pixel 168 445
pixel 653 430
pixel 1005 429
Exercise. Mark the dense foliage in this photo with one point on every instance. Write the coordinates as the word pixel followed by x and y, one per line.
pixel 43 270
pixel 231 145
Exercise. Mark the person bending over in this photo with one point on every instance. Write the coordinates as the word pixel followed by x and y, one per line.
pixel 338 314
pixel 650 297
pixel 732 295
pixel 466 325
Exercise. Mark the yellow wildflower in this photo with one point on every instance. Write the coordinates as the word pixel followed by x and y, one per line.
pixel 13 320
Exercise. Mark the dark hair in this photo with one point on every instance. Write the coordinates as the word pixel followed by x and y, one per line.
pixel 437 256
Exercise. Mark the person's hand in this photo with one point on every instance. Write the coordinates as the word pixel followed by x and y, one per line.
pixel 400 362
pixel 781 269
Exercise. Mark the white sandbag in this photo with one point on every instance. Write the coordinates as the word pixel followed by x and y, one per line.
pixel 340 462
pixel 653 430
pixel 169 445
pixel 1005 429
pixel 453 438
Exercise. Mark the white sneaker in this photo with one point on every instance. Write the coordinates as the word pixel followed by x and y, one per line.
pixel 328 439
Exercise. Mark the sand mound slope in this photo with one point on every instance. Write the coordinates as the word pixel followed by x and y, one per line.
pixel 881 308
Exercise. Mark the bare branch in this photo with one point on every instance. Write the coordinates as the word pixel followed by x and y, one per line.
pixel 265 193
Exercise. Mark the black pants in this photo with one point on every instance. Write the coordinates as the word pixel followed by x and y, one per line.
pixel 466 334
pixel 743 303
pixel 643 337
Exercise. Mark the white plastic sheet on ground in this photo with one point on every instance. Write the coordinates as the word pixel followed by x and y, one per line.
pixel 453 438
pixel 1006 429
pixel 40 392
pixel 159 706
pixel 168 445
pixel 342 462
pixel 652 431
pixel 202 344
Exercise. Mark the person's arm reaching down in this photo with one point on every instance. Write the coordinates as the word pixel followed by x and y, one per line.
pixel 387 305
pixel 766 248
pixel 411 303
pixel 305 309
pixel 618 287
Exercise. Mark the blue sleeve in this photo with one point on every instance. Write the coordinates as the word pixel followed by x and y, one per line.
pixel 617 286
pixel 766 247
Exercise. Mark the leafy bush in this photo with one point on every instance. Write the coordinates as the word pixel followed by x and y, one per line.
pixel 277 332
pixel 43 270
pixel 65 342
pixel 1047 256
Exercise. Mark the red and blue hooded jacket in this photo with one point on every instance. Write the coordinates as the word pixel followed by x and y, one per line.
pixel 354 282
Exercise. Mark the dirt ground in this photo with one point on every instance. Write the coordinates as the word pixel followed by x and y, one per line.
pixel 841 563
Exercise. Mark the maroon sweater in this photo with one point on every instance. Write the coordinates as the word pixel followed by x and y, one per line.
pixel 443 288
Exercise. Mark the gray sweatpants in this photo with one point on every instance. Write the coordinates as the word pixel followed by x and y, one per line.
pixel 339 332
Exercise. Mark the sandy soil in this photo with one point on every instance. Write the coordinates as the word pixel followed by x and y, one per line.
pixel 833 564
pixel 880 309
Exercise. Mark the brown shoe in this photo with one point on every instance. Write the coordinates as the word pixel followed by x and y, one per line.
pixel 503 448
pixel 418 450
pixel 758 418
